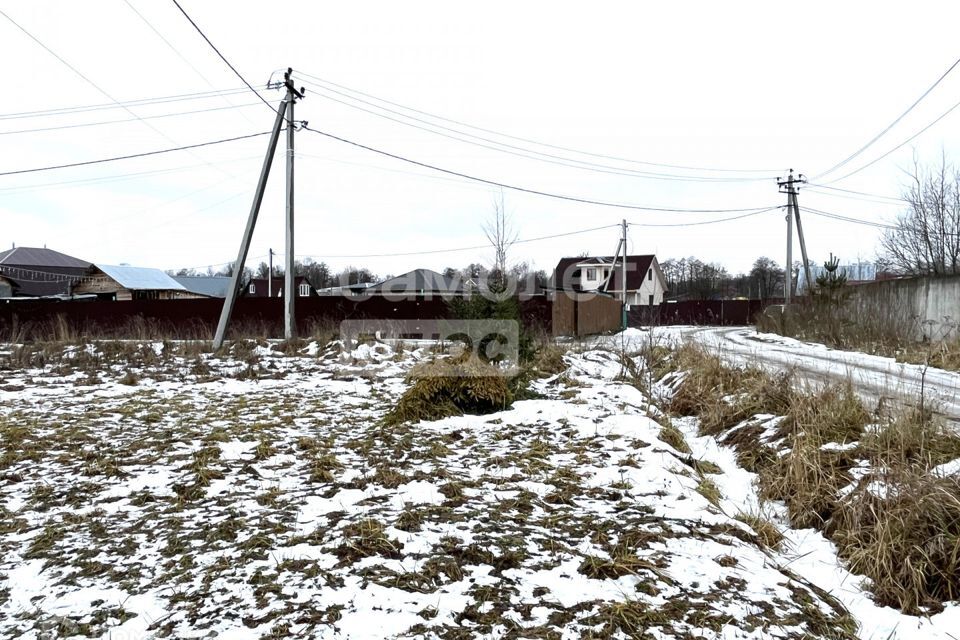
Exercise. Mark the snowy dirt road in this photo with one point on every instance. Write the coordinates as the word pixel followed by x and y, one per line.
pixel 878 380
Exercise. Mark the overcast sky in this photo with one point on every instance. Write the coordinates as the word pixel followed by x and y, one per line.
pixel 739 90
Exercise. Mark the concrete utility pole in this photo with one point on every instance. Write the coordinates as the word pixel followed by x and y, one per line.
pixel 270 274
pixel 285 109
pixel 289 319
pixel 623 276
pixel 793 211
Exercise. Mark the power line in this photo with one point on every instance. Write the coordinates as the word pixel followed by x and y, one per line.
pixel 843 218
pixel 456 181
pixel 86 79
pixel 889 203
pixel 138 213
pixel 503 185
pixel 111 98
pixel 217 264
pixel 859 193
pixel 889 126
pixel 182 97
pixel 907 141
pixel 133 155
pixel 115 177
pixel 697 224
pixel 105 122
pixel 523 152
pixel 537 239
pixel 222 57
pixel 457 249
pixel 518 138
pixel 177 52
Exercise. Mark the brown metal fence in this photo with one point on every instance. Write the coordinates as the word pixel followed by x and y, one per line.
pixel 700 312
pixel 28 320
pixel 582 314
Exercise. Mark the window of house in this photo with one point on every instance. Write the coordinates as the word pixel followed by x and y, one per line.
pixel 591 274
pixel 650 274
pixel 650 300
pixel 304 290
pixel 253 288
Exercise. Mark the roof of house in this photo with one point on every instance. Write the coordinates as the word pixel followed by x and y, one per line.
pixel 637 267
pixel 40 257
pixel 212 286
pixel 141 278
pixel 420 280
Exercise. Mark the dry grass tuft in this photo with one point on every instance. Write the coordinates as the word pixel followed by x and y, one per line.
pixel 548 359
pixel 767 532
pixel 451 387
pixel 364 539
pixel 912 438
pixel 904 534
pixel 723 396
pixel 673 437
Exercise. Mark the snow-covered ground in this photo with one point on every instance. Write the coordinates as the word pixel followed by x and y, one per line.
pixel 258 495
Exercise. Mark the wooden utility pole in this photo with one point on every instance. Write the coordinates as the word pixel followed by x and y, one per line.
pixel 285 110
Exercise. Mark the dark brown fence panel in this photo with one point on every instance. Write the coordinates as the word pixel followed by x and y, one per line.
pixel 42 319
pixel 700 312
pixel 598 314
pixel 564 315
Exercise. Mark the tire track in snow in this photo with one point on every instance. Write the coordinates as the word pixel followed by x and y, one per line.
pixel 878 380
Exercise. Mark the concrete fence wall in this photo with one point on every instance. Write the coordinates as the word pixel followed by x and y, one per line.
pixel 923 308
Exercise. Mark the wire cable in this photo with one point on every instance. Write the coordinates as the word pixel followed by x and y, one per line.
pixel 176 51
pixel 115 101
pixel 697 224
pixel 86 79
pixel 888 203
pixel 133 155
pixel 504 185
pixel 104 122
pixel 523 152
pixel 473 248
pixel 859 193
pixel 520 139
pixel 907 141
pixel 843 218
pixel 222 57
pixel 891 125
pixel 116 177
pixel 182 97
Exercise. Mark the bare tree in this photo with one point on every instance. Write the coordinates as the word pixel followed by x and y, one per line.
pixel 766 278
pixel 926 239
pixel 501 235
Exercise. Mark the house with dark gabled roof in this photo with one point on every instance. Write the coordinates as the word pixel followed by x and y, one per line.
pixel 262 288
pixel 646 284
pixel 37 271
pixel 420 282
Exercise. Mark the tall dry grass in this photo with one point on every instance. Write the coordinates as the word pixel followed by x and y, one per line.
pixel 867 481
